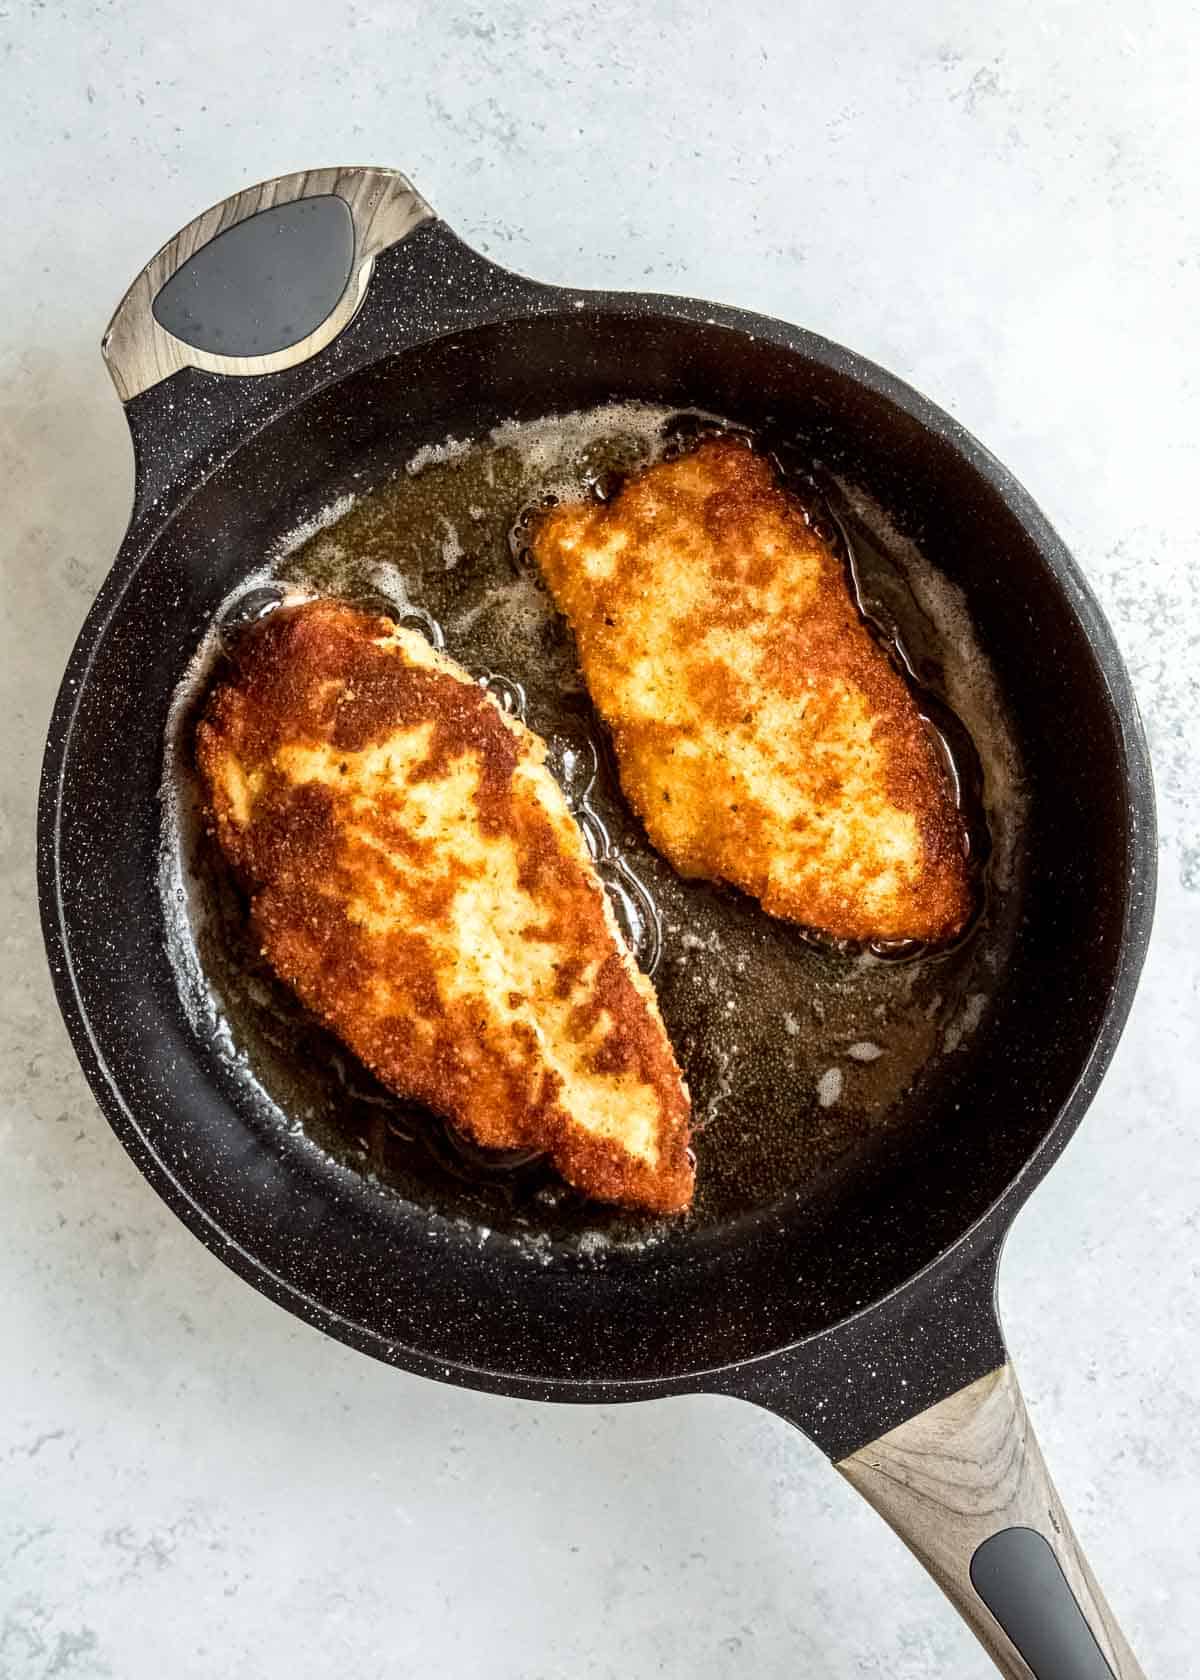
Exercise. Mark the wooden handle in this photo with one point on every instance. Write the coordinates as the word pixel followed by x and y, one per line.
pixel 382 208
pixel 965 1487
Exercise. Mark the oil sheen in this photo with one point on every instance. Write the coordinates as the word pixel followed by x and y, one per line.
pixel 798 1053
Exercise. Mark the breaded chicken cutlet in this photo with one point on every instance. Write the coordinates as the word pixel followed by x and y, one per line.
pixel 416 878
pixel 762 735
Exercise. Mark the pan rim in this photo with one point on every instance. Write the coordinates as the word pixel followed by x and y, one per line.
pixel 1134 771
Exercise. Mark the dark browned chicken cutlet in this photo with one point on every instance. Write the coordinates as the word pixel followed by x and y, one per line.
pixel 417 879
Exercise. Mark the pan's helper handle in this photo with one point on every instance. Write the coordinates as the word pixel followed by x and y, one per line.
pixel 965 1487
pixel 262 281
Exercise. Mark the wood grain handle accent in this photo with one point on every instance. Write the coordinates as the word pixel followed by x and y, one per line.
pixel 969 1471
pixel 383 208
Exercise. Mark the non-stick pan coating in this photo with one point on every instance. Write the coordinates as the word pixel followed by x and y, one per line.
pixel 428 1292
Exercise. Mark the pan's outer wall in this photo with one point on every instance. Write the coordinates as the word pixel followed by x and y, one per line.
pixel 902 1255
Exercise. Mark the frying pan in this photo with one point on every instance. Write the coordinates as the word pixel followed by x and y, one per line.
pixel 270 357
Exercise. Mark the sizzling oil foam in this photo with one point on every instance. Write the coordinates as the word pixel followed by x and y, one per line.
pixel 796 1053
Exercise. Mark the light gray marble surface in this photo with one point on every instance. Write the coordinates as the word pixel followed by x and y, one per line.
pixel 999 203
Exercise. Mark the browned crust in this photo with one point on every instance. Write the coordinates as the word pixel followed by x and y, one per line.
pixel 315 675
pixel 720 510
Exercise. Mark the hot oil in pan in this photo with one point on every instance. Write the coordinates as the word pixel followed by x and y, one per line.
pixel 797 1053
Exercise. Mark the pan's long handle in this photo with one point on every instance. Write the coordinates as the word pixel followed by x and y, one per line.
pixel 263 280
pixel 965 1487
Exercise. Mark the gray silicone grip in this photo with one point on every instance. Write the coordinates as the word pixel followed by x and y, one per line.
pixel 1018 1577
pixel 263 281
pixel 264 284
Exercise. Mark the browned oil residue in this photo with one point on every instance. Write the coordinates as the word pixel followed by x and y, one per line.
pixel 797 1054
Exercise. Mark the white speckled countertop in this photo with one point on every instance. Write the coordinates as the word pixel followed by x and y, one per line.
pixel 999 204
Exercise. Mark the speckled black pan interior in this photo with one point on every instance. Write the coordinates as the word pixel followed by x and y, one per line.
pixel 897 1245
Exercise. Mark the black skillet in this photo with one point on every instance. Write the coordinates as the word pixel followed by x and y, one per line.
pixel 327 320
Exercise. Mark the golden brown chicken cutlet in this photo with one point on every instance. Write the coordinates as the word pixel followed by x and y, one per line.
pixel 415 876
pixel 762 734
